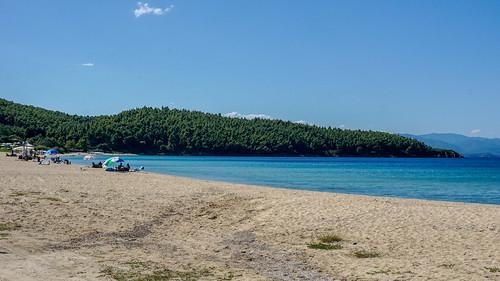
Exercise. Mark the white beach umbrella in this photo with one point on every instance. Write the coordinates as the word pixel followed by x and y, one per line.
pixel 88 157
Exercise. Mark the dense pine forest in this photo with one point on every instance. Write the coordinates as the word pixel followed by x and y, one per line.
pixel 181 132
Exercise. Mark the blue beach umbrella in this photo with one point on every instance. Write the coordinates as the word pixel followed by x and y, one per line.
pixel 51 152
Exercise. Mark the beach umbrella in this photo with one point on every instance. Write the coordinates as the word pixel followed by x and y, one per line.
pixel 51 152
pixel 112 161
pixel 88 157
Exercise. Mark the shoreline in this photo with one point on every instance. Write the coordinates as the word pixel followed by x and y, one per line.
pixel 287 189
pixel 299 189
pixel 73 224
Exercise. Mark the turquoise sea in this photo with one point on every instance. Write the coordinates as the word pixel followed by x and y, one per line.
pixel 460 180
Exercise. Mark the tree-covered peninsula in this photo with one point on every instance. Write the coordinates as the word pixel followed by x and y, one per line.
pixel 181 132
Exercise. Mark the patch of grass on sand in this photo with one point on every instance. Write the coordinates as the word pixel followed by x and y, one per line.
pixel 142 271
pixel 365 254
pixel 329 238
pixel 447 265
pixel 324 246
pixel 3 235
pixel 326 242
pixel 8 226
pixel 493 269
pixel 137 264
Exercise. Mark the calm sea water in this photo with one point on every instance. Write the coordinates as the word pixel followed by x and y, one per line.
pixel 461 180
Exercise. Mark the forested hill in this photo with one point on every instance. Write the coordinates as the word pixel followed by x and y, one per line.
pixel 172 131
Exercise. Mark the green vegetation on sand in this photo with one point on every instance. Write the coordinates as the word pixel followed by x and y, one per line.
pixel 324 246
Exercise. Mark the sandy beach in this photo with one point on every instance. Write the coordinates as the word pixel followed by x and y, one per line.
pixel 62 222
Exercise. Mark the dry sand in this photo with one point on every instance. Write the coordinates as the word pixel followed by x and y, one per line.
pixel 63 223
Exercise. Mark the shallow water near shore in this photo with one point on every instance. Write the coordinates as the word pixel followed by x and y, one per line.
pixel 459 180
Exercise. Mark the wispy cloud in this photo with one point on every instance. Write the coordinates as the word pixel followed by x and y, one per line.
pixel 144 9
pixel 342 126
pixel 251 116
pixel 88 64
pixel 303 122
pixel 475 131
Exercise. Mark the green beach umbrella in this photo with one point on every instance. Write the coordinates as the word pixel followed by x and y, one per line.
pixel 110 162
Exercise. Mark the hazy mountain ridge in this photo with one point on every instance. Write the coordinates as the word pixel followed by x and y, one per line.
pixel 467 146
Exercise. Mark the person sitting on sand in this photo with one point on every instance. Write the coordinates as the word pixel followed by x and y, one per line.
pixel 119 167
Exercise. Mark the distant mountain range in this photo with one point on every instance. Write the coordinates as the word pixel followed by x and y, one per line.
pixel 467 146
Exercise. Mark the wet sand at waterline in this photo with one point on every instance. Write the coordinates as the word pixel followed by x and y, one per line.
pixel 60 222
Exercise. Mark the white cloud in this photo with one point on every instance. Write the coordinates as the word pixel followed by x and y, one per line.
pixel 303 122
pixel 145 9
pixel 342 126
pixel 251 116
pixel 88 64
pixel 475 131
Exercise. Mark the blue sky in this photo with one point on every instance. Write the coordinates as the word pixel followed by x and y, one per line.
pixel 397 66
